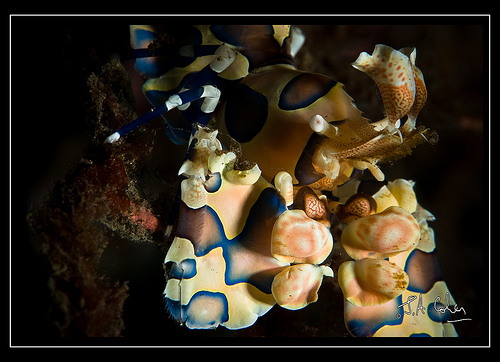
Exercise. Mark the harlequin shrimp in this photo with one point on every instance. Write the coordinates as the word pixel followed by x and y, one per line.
pixel 394 264
pixel 236 266
pixel 253 234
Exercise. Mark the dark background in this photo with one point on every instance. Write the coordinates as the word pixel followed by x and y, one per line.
pixel 51 59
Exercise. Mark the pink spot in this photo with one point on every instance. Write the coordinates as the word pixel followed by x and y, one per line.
pixel 142 216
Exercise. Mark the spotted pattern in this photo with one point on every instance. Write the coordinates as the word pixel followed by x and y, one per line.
pixel 392 71
pixel 420 97
pixel 229 266
pixel 220 266
pixel 263 95
pixel 414 312
pixel 395 319
pixel 398 100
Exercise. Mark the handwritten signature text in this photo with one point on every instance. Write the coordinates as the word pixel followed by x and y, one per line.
pixel 438 307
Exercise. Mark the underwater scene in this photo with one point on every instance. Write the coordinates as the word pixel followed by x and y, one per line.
pixel 195 182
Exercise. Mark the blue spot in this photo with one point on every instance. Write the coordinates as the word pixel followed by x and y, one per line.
pixel 213 183
pixel 255 237
pixel 419 263
pixel 156 66
pixel 368 327
pixel 175 270
pixel 143 35
pixel 419 335
pixel 184 270
pixel 304 90
pixel 245 113
pixel 434 312
pixel 217 309
pixel 148 66
pixel 205 230
pixel 202 227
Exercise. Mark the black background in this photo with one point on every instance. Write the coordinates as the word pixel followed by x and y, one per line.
pixel 51 58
